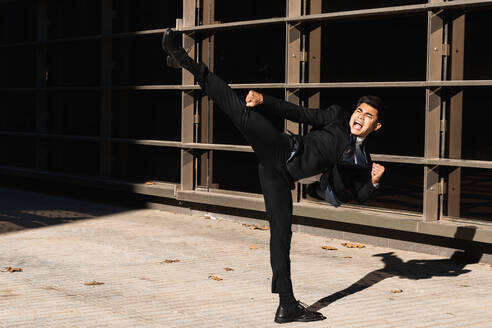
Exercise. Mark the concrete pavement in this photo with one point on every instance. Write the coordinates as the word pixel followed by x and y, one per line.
pixel 61 244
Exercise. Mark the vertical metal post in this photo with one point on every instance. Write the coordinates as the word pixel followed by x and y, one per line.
pixel 293 65
pixel 456 114
pixel 123 97
pixel 314 56
pixel 206 109
pixel 188 100
pixel 433 114
pixel 105 101
pixel 41 75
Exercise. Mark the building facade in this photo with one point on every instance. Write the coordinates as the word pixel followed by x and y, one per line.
pixel 87 99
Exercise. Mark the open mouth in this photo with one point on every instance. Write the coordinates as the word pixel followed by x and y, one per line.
pixel 357 125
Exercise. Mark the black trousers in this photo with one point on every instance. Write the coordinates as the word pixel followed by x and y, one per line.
pixel 272 148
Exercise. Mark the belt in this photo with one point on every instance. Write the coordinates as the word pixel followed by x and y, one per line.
pixel 295 145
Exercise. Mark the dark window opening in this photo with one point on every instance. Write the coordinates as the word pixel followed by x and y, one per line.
pixel 140 61
pixel 130 16
pixel 17 151
pixel 73 157
pixel 476 134
pixel 145 163
pixel 236 171
pixel 73 18
pixel 390 49
pixel 230 11
pixel 73 113
pixel 74 64
pixel 147 115
pixel 478 65
pixel 251 56
pixel 19 111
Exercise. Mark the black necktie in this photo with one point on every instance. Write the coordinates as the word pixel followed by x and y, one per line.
pixel 360 157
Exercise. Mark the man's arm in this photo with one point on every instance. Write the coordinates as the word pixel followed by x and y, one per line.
pixel 292 112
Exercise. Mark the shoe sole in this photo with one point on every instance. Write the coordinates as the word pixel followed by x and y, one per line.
pixel 171 62
pixel 164 36
pixel 287 320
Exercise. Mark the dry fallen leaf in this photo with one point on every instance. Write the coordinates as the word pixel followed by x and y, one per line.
pixel 396 291
pixel 10 269
pixel 252 247
pixel 93 283
pixel 352 245
pixel 228 269
pixel 214 278
pixel 329 248
pixel 255 227
pixel 169 261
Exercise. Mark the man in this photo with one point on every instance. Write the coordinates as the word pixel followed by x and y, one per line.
pixel 331 156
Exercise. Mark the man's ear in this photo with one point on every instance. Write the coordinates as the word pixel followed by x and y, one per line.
pixel 378 126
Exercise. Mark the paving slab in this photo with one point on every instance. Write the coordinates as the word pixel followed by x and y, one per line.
pixel 62 244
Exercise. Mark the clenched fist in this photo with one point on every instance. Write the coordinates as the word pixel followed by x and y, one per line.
pixel 376 173
pixel 254 98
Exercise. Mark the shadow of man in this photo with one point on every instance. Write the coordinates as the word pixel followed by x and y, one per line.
pixel 413 269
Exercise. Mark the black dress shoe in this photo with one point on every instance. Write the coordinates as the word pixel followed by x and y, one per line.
pixel 297 312
pixel 171 44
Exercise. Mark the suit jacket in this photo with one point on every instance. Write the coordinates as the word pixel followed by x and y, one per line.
pixel 328 148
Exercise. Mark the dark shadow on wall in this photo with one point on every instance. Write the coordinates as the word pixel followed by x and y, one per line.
pixel 413 269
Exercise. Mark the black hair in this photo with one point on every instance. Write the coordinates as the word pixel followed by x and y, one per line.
pixel 373 101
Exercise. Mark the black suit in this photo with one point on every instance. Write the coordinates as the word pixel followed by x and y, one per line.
pixel 328 148
pixel 322 150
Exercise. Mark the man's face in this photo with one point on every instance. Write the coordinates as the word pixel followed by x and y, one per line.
pixel 364 120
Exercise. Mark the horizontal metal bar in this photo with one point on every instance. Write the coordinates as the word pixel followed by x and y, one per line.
pixel 225 147
pixel 374 12
pixel 50 136
pixel 460 83
pixel 154 188
pixel 239 24
pixel 149 142
pixel 325 85
pixel 84 38
pixel 460 163
pixel 136 33
pixel 455 4
pixel 156 87
pixel 432 161
pixel 397 159
pixel 333 85
pixel 248 149
pixel 159 143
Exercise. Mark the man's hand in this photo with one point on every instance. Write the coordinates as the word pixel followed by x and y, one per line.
pixel 254 98
pixel 376 173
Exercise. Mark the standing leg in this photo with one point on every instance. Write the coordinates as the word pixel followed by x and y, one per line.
pixel 278 203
